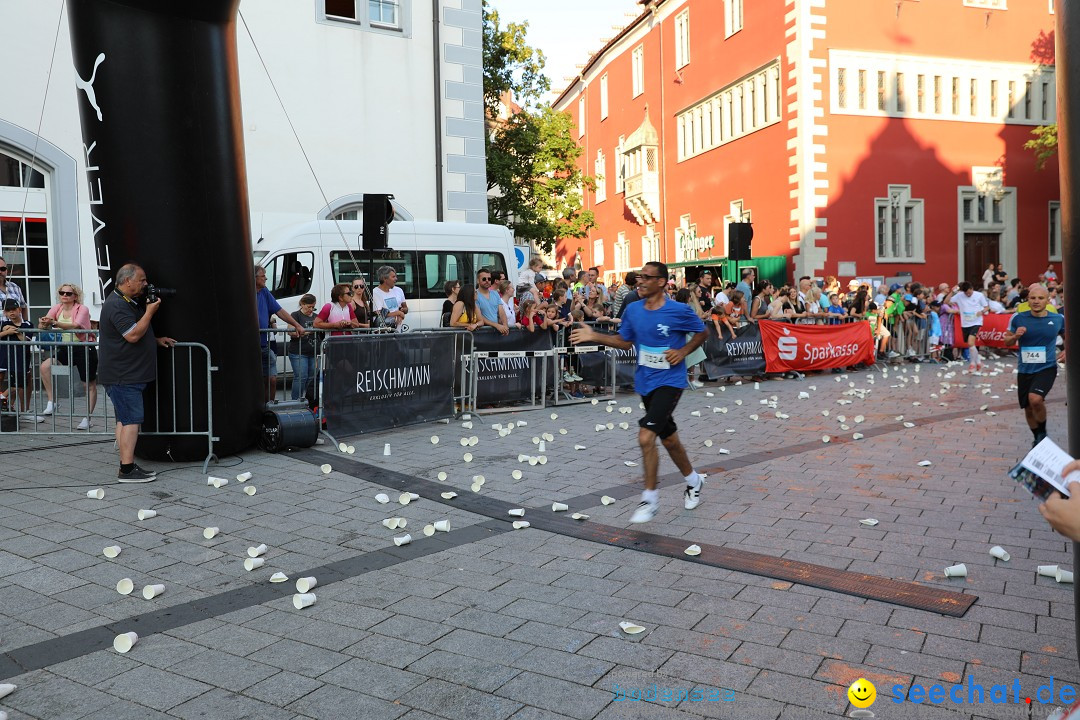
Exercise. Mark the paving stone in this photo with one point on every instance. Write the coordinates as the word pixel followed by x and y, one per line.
pixel 223 704
pixel 463 670
pixel 299 658
pixel 283 688
pixel 329 702
pixel 230 672
pixel 459 703
pixel 567 666
pixel 556 695
pixel 484 647
pixel 382 681
pixel 155 688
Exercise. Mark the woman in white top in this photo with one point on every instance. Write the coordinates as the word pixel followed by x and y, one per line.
pixel 988 276
pixel 506 297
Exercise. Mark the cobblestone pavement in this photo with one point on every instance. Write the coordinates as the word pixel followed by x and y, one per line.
pixel 489 622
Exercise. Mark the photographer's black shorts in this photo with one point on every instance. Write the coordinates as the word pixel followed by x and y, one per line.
pixel 1038 383
pixel 660 410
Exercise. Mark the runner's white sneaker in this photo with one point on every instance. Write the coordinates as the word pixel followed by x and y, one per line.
pixel 645 512
pixel 692 496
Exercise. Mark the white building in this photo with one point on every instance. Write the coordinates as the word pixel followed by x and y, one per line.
pixel 382 99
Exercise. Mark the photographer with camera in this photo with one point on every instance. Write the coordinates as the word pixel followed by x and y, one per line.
pixel 127 361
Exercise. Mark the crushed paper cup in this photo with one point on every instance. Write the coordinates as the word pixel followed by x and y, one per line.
pixel 909 424
pixel 111 551
pixel 403 540
pixel 580 447
pixel 607 500
pixel 803 395
pixel 579 516
pixel 303 600
pixel 754 417
pixel 442 525
pixel 95 494
pixel 1063 576
pixel 382 498
pixel 442 475
pixel 125 586
pixel 429 530
pixel 279 577
pixel 845 427
pixel 243 477
pixel 609 409
pixel 147 514
pixel 925 463
pixel 825 413
pixel 325 467
pixel 516 512
pixel 869 522
pixel 306 584
pixel 629 463
pixel 723 451
pixel 1048 570
pixel 253 563
pixel 630 628
pixel 1000 553
pixel 693 550
pixel 841 418
pixel 257 550
pixel 956 570
pixel 520 524
pixel 559 507
pixel 516 474
pixel 449 495
pixel 467 457
pixel 149 592
pixel 210 532
pixel 250 490
pixel 125 641
pixel 737 402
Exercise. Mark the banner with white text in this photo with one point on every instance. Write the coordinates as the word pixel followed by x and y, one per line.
pixel 790 346
pixel 509 377
pixel 991 333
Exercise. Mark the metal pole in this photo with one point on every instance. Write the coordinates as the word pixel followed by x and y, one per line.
pixel 1068 74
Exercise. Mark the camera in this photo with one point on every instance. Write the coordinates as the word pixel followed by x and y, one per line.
pixel 155 293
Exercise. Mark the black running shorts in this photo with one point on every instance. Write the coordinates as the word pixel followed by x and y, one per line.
pixel 660 410
pixel 1037 383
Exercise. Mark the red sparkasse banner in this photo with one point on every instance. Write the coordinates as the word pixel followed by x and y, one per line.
pixel 815 347
pixel 992 333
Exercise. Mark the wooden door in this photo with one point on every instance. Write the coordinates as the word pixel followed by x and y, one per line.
pixel 980 249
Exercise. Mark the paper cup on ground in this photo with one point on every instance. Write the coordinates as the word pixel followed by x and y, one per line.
pixel 448 495
pixel 956 570
pixel 391 523
pixel 147 514
pixel 306 584
pixel 429 530
pixel 517 512
pixel 303 600
pixel 250 490
pixel 210 532
pixel 149 592
pixel 279 577
pixel 403 540
pixel 580 516
pixel 693 550
pixel 125 641
pixel 95 494
pixel 607 500
pixel 325 467
pixel 256 551
pixel 1000 553
pixel 442 525
pixel 5 690
pixel 125 586
pixel 111 551
pixel 342 447
pixel 1063 576
pixel 630 628
pixel 1048 570
pixel 516 474
pixel 386 450
pixel 253 563
pixel 521 524
pixel 404 498
pixel 243 477
pixel 559 507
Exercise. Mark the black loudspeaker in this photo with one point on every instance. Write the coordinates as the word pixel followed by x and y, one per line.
pixel 288 425
pixel 378 213
pixel 739 237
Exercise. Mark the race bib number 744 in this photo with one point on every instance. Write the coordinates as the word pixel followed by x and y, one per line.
pixel 1033 356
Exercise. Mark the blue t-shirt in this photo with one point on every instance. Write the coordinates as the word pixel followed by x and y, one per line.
pixel 1038 345
pixel 266 305
pixel 839 310
pixel 653 332
pixel 935 324
pixel 489 303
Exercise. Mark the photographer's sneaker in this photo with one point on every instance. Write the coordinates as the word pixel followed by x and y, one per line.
pixel 85 424
pixel 692 496
pixel 645 512
pixel 136 475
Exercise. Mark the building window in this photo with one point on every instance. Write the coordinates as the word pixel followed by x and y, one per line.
pixel 622 254
pixel 898 222
pixel 956 96
pixel 581 116
pixel 371 14
pixel 881 90
pixel 603 96
pixel 739 109
pixel 600 171
pixel 974 99
pixel 862 89
pixel 1047 113
pixel 620 166
pixel 650 246
pixel 899 92
pixel 598 253
pixel 994 97
pixel 637 67
pixel 991 4
pixel 920 89
pixel 682 38
pixel 733 17
pixel 937 94
pixel 841 87
pixel 1055 230
pixel 1027 100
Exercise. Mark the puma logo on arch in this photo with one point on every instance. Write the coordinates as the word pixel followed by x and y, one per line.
pixel 87 86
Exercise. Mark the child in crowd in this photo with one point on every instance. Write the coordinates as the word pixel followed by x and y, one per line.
pixel 877 327
pixel 530 317
pixel 14 359
pixel 302 351
pixel 934 330
pixel 835 310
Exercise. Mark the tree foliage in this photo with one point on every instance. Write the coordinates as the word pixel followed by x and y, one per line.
pixel 531 152
pixel 1043 144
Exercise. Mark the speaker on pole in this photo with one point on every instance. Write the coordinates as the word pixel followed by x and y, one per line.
pixel 739 237
pixel 378 213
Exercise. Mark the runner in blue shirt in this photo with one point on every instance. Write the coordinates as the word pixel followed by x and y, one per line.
pixel 657 327
pixel 1036 330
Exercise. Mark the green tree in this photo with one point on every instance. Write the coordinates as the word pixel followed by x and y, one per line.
pixel 531 152
pixel 1043 143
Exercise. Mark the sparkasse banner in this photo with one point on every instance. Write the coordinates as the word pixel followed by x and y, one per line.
pixel 991 333
pixel 815 347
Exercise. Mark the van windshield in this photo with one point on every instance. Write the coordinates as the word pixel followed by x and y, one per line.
pixel 348 266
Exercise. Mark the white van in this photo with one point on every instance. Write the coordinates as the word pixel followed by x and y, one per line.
pixel 312 257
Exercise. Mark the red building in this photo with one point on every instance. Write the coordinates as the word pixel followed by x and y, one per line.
pixel 862 138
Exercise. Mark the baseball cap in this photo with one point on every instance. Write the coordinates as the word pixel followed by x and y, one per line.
pixel 853 283
pixel 894 287
pixel 11 304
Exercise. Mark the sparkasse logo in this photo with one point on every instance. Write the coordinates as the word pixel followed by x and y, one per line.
pixel 787 346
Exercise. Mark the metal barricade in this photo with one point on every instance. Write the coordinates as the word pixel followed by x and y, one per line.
pixel 567 363
pixel 480 363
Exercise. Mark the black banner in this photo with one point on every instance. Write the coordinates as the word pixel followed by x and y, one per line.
pixel 374 382
pixel 595 368
pixel 508 379
pixel 741 355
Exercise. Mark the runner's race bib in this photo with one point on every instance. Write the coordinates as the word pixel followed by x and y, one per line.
pixel 1033 356
pixel 969 319
pixel 653 357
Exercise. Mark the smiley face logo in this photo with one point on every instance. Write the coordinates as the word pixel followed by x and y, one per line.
pixel 862 693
